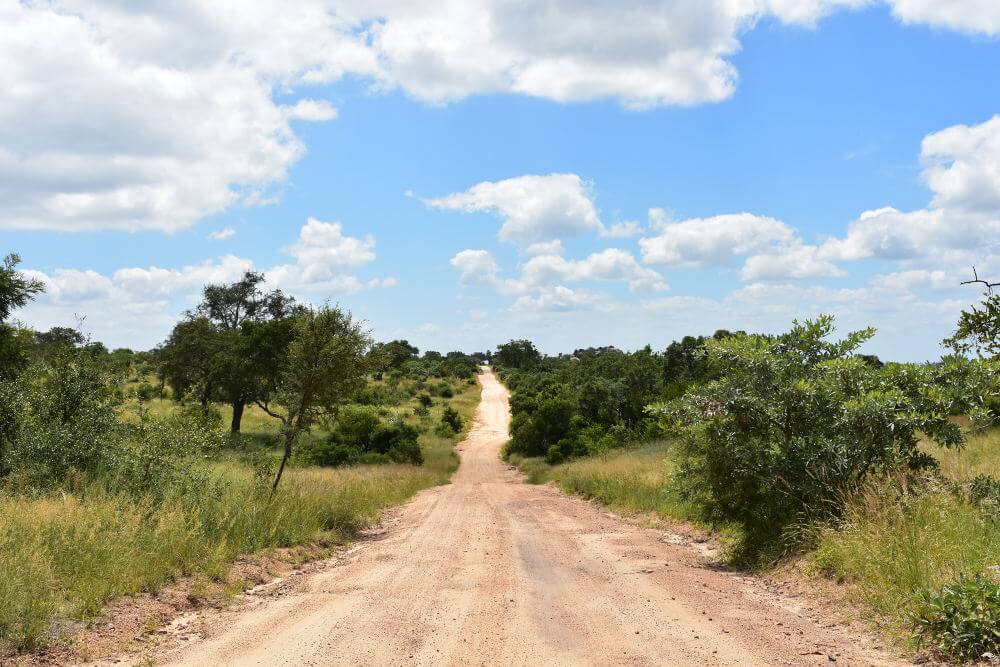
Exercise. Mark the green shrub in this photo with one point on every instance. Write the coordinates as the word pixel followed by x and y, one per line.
pixel 358 435
pixel 425 400
pixel 961 621
pixel 794 423
pixel 452 419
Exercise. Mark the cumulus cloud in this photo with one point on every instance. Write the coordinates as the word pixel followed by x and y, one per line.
pixel 714 241
pixel 972 16
pixel 533 208
pixel 612 264
pixel 476 267
pixel 796 261
pixel 962 169
pixel 151 116
pixel 125 117
pixel 222 234
pixel 557 299
pixel 136 306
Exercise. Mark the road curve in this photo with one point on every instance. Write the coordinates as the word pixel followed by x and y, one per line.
pixel 489 570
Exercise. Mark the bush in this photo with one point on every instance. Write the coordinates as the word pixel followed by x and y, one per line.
pixel 795 423
pixel 425 400
pixel 961 621
pixel 452 419
pixel 359 436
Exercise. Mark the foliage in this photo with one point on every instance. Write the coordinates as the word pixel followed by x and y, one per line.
pixel 359 435
pixel 517 354
pixel 961 620
pixel 796 422
pixel 16 290
pixel 325 364
pixel 451 419
pixel 978 329
pixel 232 346
pixel 585 404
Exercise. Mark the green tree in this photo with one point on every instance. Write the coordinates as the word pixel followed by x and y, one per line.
pixel 16 290
pixel 327 361
pixel 979 327
pixel 517 354
pixel 229 345
pixel 795 422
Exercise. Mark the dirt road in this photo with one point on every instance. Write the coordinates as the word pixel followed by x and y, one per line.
pixel 488 570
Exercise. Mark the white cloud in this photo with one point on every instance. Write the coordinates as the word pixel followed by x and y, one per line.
pixel 612 264
pixel 962 169
pixel 715 241
pixel 534 208
pixel 557 299
pixel 794 261
pixel 124 117
pixel 974 16
pixel 324 255
pixel 222 234
pixel 911 280
pixel 476 267
pixel 553 247
pixel 621 230
pixel 136 306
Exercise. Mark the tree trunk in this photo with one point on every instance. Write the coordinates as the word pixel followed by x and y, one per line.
pixel 294 427
pixel 237 415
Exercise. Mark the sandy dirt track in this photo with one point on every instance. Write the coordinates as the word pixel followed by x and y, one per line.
pixel 489 570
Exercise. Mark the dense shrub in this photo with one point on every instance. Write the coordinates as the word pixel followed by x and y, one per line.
pixel 796 422
pixel 961 621
pixel 451 419
pixel 358 435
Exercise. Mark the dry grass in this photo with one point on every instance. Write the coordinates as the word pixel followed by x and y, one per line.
pixel 65 556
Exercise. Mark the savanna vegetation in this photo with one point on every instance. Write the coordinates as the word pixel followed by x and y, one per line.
pixel 259 423
pixel 882 476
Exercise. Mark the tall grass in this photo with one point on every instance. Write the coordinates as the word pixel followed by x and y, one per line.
pixel 66 555
pixel 632 480
pixel 891 547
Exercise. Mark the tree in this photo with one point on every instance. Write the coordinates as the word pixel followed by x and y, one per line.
pixel 186 359
pixel 327 362
pixel 59 337
pixel 226 347
pixel 16 290
pixel 979 328
pixel 517 354
pixel 794 423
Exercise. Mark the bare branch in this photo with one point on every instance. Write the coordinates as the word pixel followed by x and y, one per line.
pixel 279 417
pixel 977 280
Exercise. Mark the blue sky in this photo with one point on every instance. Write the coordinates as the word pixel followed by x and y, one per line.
pixel 459 186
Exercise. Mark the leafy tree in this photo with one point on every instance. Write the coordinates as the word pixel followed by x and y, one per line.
pixel 979 327
pixel 517 354
pixel 187 359
pixel 229 347
pixel 327 362
pixel 59 337
pixel 795 422
pixel 16 290
pixel 392 355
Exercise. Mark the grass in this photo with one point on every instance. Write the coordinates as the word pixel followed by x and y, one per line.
pixel 65 556
pixel 892 547
pixel 633 480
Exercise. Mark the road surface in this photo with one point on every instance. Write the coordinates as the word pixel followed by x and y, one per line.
pixel 489 570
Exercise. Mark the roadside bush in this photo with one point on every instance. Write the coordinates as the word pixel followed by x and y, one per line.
pixel 795 423
pixel 961 621
pixel 358 435
pixel 452 419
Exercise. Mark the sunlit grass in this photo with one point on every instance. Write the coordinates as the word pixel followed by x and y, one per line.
pixel 632 480
pixel 67 555
pixel 891 547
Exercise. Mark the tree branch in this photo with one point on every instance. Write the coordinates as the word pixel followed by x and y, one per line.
pixel 263 406
pixel 977 280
